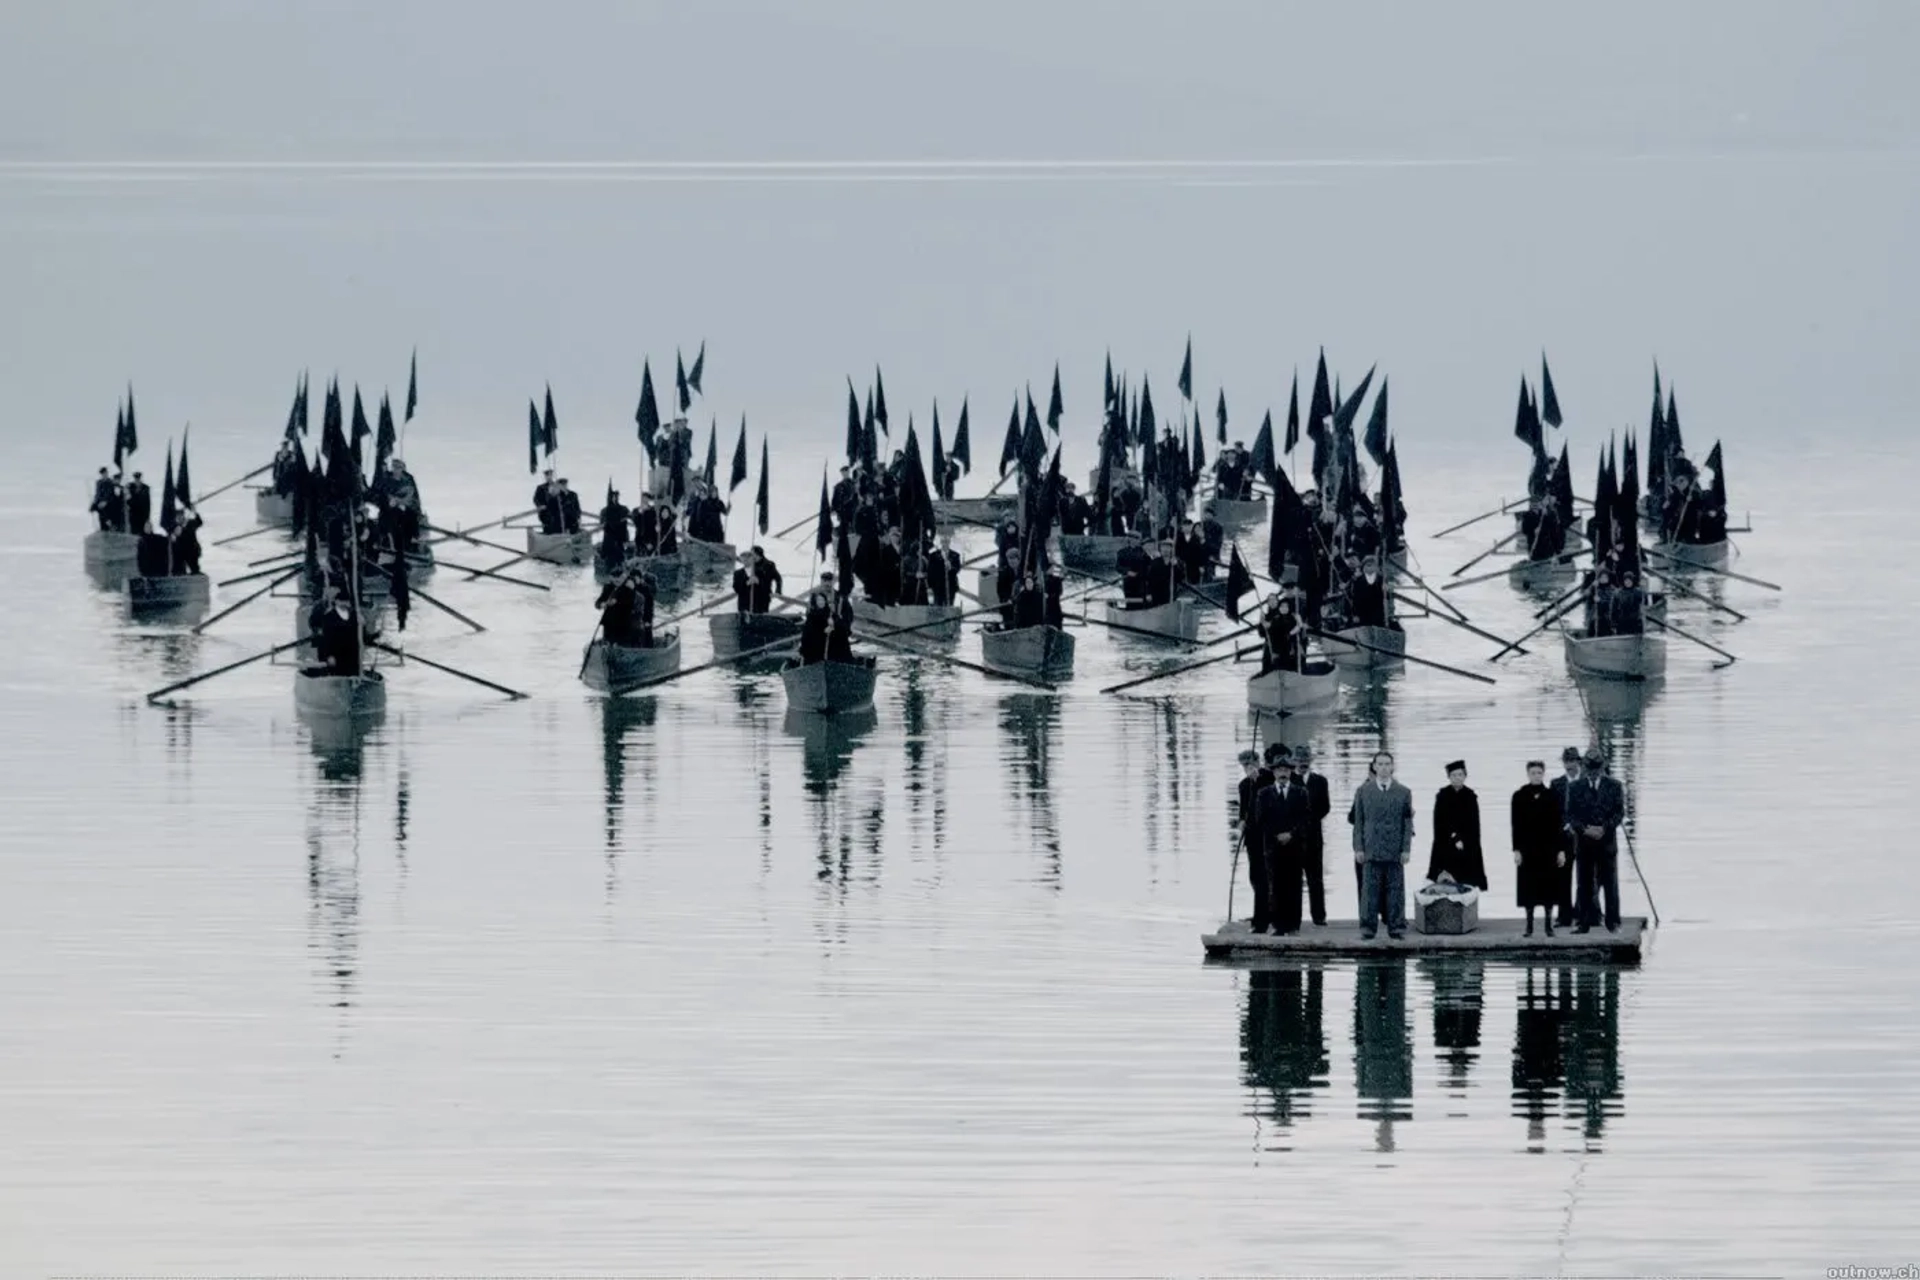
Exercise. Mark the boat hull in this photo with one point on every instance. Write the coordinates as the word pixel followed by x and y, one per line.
pixel 985 511
pixel 1542 575
pixel 1034 651
pixel 1094 551
pixel 830 688
pixel 737 633
pixel 107 547
pixel 318 692
pixel 611 668
pixel 1711 555
pixel 560 548
pixel 1288 692
pixel 1233 511
pixel 1178 621
pixel 669 573
pixel 1617 657
pixel 939 624
pixel 987 587
pixel 272 508
pixel 708 557
pixel 1386 647
pixel 181 593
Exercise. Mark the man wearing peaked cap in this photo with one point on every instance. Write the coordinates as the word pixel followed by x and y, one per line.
pixel 1596 806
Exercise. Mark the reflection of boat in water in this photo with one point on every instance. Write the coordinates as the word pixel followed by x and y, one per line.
pixel 827 742
pixel 320 695
pixel 180 597
pixel 1617 701
pixel 1618 657
pixel 339 742
pixel 620 718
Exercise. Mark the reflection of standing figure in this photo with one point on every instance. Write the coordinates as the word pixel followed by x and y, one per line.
pixel 1382 1046
pixel 1538 1069
pixel 1283 1046
pixel 1592 1048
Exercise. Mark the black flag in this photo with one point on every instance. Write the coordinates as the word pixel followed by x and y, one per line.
pixel 1526 426
pixel 1350 409
pixel 169 513
pixel 302 397
pixel 133 432
pixel 1220 416
pixel 1293 414
pixel 534 437
pixel 1107 395
pixel 699 368
pixel 680 383
pixel 1010 447
pixel 1376 440
pixel 761 499
pixel 880 403
pixel 708 472
pixel 646 416
pixel 1033 415
pixel 856 435
pixel 550 427
pixel 1549 402
pixel 963 441
pixel 360 429
pixel 182 486
pixel 1198 461
pixel 940 486
pixel 1054 405
pixel 737 476
pixel 1145 427
pixel 823 530
pixel 1186 371
pixel 413 384
pixel 1321 406
pixel 1239 582
pixel 120 434
pixel 1263 461
pixel 1717 491
pixel 384 439
pixel 292 432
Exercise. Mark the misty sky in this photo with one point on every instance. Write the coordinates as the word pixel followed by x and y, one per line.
pixel 1728 186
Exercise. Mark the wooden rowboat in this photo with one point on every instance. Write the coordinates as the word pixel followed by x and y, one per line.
pixel 181 593
pixel 708 557
pixel 560 548
pixel 1234 511
pixel 1386 646
pixel 669 573
pixel 1287 692
pixel 830 688
pixel 1706 555
pixel 1092 551
pixel 1642 657
pixel 987 587
pixel 320 693
pixel 939 624
pixel 614 668
pixel 1178 620
pixel 104 546
pixel 272 508
pixel 736 633
pixel 1552 574
pixel 1036 651
pixel 989 510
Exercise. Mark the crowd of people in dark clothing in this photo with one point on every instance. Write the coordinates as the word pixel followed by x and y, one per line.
pixel 126 506
pixel 1564 841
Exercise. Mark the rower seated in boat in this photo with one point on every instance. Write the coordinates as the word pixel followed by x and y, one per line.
pixel 1284 646
pixel 1367 597
pixel 626 609
pixel 613 529
pixel 756 582
pixel 331 626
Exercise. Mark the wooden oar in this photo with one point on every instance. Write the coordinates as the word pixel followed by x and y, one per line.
pixel 708 665
pixel 1407 657
pixel 255 576
pixel 1684 635
pixel 495 524
pixel 1515 646
pixel 962 663
pixel 1439 599
pixel 473 573
pixel 1685 590
pixel 157 694
pixel 1644 888
pixel 1502 509
pixel 404 656
pixel 1703 568
pixel 449 535
pixel 1454 622
pixel 1495 549
pixel 248 599
pixel 233 485
pixel 232 538
pixel 279 555
pixel 1183 667
pixel 1565 558
pixel 416 591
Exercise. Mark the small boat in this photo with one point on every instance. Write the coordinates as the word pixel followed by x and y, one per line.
pixel 736 633
pixel 1235 511
pixel 1705 555
pixel 319 692
pixel 1094 551
pixel 615 668
pixel 1286 692
pixel 1386 646
pixel 708 557
pixel 668 572
pixel 1177 620
pixel 988 510
pixel 1035 651
pixel 987 587
pixel 1641 657
pixel 180 593
pixel 560 548
pixel 1551 574
pixel 938 624
pixel 830 688
pixel 272 508
pixel 104 546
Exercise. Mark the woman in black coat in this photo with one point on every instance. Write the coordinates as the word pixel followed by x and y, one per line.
pixel 1456 831
pixel 1539 845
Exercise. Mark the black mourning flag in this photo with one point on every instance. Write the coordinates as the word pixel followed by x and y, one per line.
pixel 1220 416
pixel 1293 414
pixel 762 500
pixel 1549 402
pixel 534 437
pixel 550 427
pixel 1376 439
pixel 963 441
pixel 699 368
pixel 413 384
pixel 1262 459
pixel 880 403
pixel 1526 426
pixel 940 486
pixel 823 528
pixel 182 485
pixel 1055 407
pixel 856 435
pixel 680 383
pixel 1239 582
pixel 712 467
pixel 1186 371
pixel 737 474
pixel 169 512
pixel 1010 447
pixel 132 431
pixel 384 438
pixel 646 416
pixel 1320 408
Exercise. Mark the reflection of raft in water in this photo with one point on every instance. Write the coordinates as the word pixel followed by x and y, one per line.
pixel 1502 938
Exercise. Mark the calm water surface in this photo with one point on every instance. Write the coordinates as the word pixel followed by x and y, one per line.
pixel 678 984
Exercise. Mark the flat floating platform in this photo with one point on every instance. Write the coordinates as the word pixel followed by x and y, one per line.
pixel 1501 938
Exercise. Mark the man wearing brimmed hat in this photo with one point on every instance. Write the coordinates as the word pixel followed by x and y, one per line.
pixel 756 582
pixel 1596 805
pixel 1283 820
pixel 1563 905
pixel 1313 846
pixel 1253 780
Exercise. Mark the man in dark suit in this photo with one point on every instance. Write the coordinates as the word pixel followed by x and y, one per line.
pixel 1570 762
pixel 1253 780
pixel 1282 810
pixel 1596 805
pixel 1313 846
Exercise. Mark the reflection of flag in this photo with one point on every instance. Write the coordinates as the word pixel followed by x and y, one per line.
pixel 1239 582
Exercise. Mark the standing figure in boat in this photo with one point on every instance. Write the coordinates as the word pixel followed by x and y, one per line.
pixel 706 514
pixel 1134 565
pixel 1006 580
pixel 185 540
pixel 1382 818
pixel 626 609
pixel 399 501
pixel 613 530
pixel 1456 832
pixel 1627 608
pixel 817 623
pixel 286 471
pixel 1055 588
pixel 1539 849
pixel 1213 538
pixel 1163 573
pixel 1284 642
pixel 943 572
pixel 840 633
pixel 756 582
pixel 545 502
pixel 139 505
pixel 1029 604
pixel 668 540
pixel 109 504
pixel 646 527
pixel 1541 529
pixel 337 642
pixel 1596 806
pixel 1230 473
pixel 1367 597
pixel 1076 513
pixel 567 504
pixel 1190 553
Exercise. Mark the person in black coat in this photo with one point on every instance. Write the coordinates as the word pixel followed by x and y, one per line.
pixel 1055 585
pixel 1253 780
pixel 613 529
pixel 840 634
pixel 943 572
pixel 646 527
pixel 1283 816
pixel 1456 831
pixel 1596 806
pixel 186 543
pixel 1563 903
pixel 139 505
pixel 1134 564
pixel 1539 846
pixel 819 619
pixel 1313 845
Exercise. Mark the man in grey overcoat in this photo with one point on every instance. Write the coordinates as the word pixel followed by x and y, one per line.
pixel 1382 818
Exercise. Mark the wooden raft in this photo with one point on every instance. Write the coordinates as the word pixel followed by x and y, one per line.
pixel 1493 938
